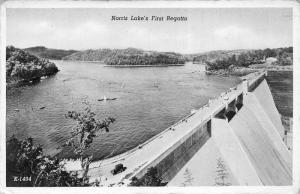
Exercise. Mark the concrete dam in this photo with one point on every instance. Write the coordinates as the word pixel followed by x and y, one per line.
pixel 242 127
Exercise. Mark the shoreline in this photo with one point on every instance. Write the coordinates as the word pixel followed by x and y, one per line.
pixel 120 66
pixel 241 72
pixel 20 82
pixel 81 61
pixel 133 66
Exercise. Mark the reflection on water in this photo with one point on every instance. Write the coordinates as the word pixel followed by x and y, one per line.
pixel 148 100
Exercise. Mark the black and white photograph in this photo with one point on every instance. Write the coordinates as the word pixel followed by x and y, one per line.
pixel 125 96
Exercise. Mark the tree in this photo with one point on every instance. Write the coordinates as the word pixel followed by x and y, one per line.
pixel 222 174
pixel 26 165
pixel 188 178
pixel 83 134
pixel 269 52
pixel 151 178
pixel 20 65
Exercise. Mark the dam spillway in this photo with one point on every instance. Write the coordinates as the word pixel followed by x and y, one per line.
pixel 250 144
pixel 246 115
pixel 262 144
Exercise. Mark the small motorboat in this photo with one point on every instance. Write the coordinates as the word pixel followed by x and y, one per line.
pixel 43 107
pixel 102 99
pixel 105 99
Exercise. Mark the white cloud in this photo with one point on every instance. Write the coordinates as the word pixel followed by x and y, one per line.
pixel 234 37
pixel 93 27
pixel 232 32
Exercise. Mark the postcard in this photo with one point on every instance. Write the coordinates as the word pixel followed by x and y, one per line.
pixel 150 97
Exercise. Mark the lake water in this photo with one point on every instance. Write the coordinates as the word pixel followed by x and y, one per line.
pixel 149 100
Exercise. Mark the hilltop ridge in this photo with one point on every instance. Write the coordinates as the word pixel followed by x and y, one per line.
pixel 222 62
pixel 49 53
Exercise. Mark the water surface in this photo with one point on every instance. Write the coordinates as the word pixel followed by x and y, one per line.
pixel 149 100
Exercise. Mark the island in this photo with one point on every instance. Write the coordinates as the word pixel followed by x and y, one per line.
pixel 129 57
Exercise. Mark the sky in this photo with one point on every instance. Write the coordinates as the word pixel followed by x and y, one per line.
pixel 206 29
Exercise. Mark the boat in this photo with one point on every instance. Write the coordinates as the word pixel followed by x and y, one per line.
pixel 105 99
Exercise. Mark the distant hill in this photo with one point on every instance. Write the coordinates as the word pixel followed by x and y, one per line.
pixel 242 55
pixel 215 55
pixel 48 53
pixel 128 56
pixel 101 54
pixel 218 61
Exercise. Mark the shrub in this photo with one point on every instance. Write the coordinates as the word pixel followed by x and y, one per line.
pixel 27 164
pixel 151 178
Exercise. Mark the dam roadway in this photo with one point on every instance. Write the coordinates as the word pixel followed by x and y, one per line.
pixel 173 148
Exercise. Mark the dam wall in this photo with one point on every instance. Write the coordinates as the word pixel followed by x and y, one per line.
pixel 265 99
pixel 171 161
pixel 252 147
pixel 262 143
pixel 254 83
pixel 254 137
pixel 230 148
pixel 251 142
pixel 246 128
pixel 225 107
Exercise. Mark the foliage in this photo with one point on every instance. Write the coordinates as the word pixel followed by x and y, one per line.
pixel 247 58
pixel 188 178
pixel 101 54
pixel 222 174
pixel 129 56
pixel 83 134
pixel 147 59
pixel 22 66
pixel 284 59
pixel 151 178
pixel 26 165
